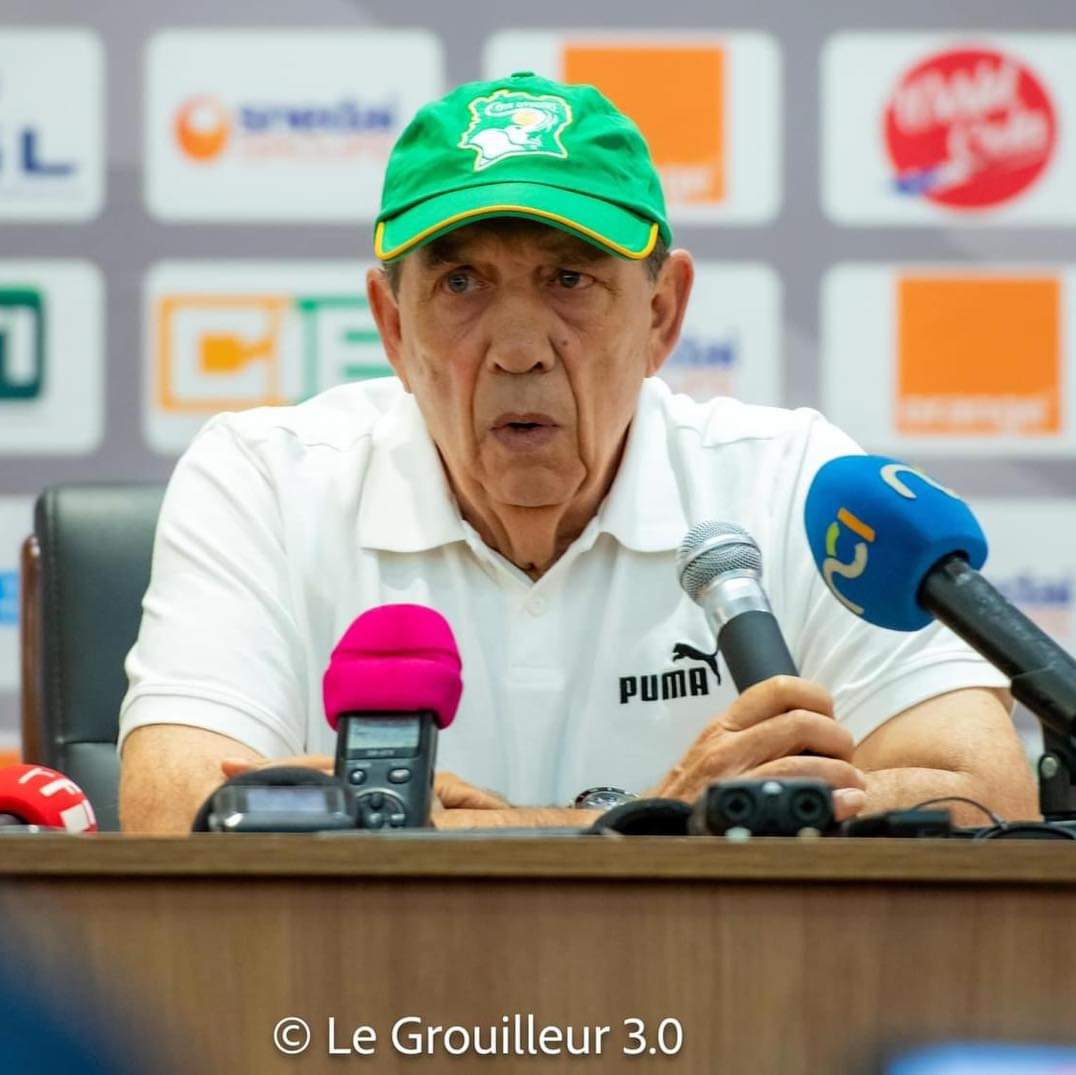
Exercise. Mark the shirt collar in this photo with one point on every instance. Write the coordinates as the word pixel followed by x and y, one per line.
pixel 408 506
pixel 644 509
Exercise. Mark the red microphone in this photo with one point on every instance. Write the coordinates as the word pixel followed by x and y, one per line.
pixel 34 795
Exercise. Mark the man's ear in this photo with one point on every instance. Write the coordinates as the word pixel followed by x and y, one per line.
pixel 672 289
pixel 386 313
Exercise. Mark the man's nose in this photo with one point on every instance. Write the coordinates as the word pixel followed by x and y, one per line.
pixel 519 340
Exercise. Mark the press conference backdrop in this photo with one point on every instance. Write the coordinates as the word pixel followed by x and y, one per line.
pixel 882 199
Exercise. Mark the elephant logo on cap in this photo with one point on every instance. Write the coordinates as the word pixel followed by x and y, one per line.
pixel 510 123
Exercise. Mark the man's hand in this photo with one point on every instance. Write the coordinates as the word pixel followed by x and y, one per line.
pixel 452 792
pixel 768 732
pixel 456 794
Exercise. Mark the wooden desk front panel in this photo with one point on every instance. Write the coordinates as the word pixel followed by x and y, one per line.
pixel 779 977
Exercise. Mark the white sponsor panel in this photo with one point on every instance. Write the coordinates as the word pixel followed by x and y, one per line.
pixel 948 359
pixel 731 340
pixel 16 522
pixel 51 357
pixel 52 132
pixel 1032 559
pixel 225 336
pixel 709 104
pixel 968 129
pixel 280 124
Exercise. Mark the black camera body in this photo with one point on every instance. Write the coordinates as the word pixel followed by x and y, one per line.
pixel 763 808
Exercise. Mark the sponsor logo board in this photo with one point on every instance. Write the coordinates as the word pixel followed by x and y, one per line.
pixel 233 335
pixel 289 125
pixel 51 355
pixel 708 105
pixel 929 129
pixel 731 339
pixel 949 360
pixel 51 124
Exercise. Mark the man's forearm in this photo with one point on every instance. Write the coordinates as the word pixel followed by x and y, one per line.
pixel 518 817
pixel 899 789
pixel 167 771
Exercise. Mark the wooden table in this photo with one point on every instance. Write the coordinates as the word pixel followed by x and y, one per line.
pixel 782 956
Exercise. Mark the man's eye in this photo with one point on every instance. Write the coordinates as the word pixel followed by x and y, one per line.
pixel 572 280
pixel 458 282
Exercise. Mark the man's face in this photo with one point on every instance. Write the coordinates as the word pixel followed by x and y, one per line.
pixel 525 349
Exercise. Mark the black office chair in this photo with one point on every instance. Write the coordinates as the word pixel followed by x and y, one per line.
pixel 84 571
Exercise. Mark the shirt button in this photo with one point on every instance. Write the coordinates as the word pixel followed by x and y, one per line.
pixel 537 605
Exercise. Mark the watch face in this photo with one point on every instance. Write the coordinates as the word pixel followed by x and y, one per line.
pixel 602 798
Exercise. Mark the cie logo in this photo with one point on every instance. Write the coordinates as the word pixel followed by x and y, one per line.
pixel 216 352
pixel 854 568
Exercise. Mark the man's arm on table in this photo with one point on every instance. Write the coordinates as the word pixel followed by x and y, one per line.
pixel 960 743
pixel 167 771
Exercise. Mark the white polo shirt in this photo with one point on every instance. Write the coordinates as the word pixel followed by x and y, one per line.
pixel 281 525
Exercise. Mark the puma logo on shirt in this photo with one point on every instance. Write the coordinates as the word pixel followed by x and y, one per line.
pixel 679 683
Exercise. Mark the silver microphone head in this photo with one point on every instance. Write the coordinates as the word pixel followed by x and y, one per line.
pixel 714 550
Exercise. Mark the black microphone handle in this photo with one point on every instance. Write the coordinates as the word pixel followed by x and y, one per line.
pixel 1043 674
pixel 754 649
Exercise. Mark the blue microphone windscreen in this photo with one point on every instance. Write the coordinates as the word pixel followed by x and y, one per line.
pixel 876 526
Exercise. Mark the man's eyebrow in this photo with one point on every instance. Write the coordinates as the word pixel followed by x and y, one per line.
pixel 446 250
pixel 569 248
pixel 442 251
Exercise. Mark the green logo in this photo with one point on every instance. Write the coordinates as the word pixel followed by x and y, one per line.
pixel 22 343
pixel 511 123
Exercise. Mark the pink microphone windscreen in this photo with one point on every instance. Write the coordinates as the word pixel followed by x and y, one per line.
pixel 394 658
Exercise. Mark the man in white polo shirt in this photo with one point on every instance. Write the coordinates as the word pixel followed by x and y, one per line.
pixel 528 476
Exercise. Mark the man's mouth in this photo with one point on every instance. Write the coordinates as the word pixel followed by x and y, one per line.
pixel 525 430
pixel 526 421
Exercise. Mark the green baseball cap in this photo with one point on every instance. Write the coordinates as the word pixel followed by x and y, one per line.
pixel 522 146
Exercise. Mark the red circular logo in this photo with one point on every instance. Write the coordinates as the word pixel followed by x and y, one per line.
pixel 969 128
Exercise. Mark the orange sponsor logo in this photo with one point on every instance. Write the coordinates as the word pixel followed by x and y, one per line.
pixel 202 128
pixel 979 355
pixel 676 95
pixel 199 345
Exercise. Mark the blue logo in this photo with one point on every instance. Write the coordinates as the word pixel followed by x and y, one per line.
pixel 1030 589
pixel 9 598
pixel 29 158
pixel 703 367
pixel 1046 600
pixel 22 153
pixel 696 353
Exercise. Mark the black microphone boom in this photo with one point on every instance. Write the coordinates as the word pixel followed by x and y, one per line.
pixel 1043 674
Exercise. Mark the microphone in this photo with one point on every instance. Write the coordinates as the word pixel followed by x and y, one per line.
pixel 392 683
pixel 34 798
pixel 284 798
pixel 720 567
pixel 898 549
pixel 869 510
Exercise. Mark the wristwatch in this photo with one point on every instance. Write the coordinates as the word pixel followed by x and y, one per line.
pixel 602 798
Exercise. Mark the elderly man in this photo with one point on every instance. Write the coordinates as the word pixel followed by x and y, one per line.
pixel 526 474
